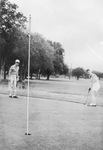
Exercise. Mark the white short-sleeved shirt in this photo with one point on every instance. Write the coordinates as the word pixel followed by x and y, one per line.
pixel 95 82
pixel 14 70
pixel 94 78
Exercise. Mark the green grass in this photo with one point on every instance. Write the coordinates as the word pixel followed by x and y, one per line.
pixel 61 89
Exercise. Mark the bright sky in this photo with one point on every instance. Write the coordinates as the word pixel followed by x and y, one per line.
pixel 76 24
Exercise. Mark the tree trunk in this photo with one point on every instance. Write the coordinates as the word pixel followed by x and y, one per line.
pixel 0 75
pixel 77 77
pixel 31 75
pixel 48 75
pixel 39 76
pixel 23 72
pixel 4 72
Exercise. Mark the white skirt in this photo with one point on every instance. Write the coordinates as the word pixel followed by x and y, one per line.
pixel 95 86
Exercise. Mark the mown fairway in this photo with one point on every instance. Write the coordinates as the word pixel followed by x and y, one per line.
pixel 58 89
pixel 64 89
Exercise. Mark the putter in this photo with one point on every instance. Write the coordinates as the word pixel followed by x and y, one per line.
pixel 86 98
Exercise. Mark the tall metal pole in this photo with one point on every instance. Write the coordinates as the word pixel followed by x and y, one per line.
pixel 28 78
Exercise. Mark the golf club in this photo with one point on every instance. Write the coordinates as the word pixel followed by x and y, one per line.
pixel 86 98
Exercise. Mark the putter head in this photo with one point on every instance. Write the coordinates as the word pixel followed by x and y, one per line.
pixel 27 134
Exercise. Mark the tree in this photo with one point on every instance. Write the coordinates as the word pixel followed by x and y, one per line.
pixel 21 51
pixel 99 74
pixel 41 55
pixel 58 58
pixel 49 67
pixel 10 20
pixel 65 69
pixel 78 72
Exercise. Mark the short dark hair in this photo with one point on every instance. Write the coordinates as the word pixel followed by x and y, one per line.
pixel 87 70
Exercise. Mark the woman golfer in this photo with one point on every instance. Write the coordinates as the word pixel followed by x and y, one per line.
pixel 95 85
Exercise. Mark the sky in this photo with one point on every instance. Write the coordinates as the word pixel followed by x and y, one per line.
pixel 76 24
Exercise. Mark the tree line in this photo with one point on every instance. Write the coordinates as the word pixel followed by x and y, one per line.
pixel 81 73
pixel 46 57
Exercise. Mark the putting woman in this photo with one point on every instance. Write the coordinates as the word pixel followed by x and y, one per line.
pixel 95 85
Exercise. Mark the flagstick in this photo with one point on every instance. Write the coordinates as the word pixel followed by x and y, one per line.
pixel 28 79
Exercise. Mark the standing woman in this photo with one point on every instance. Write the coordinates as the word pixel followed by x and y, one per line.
pixel 13 77
pixel 95 86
